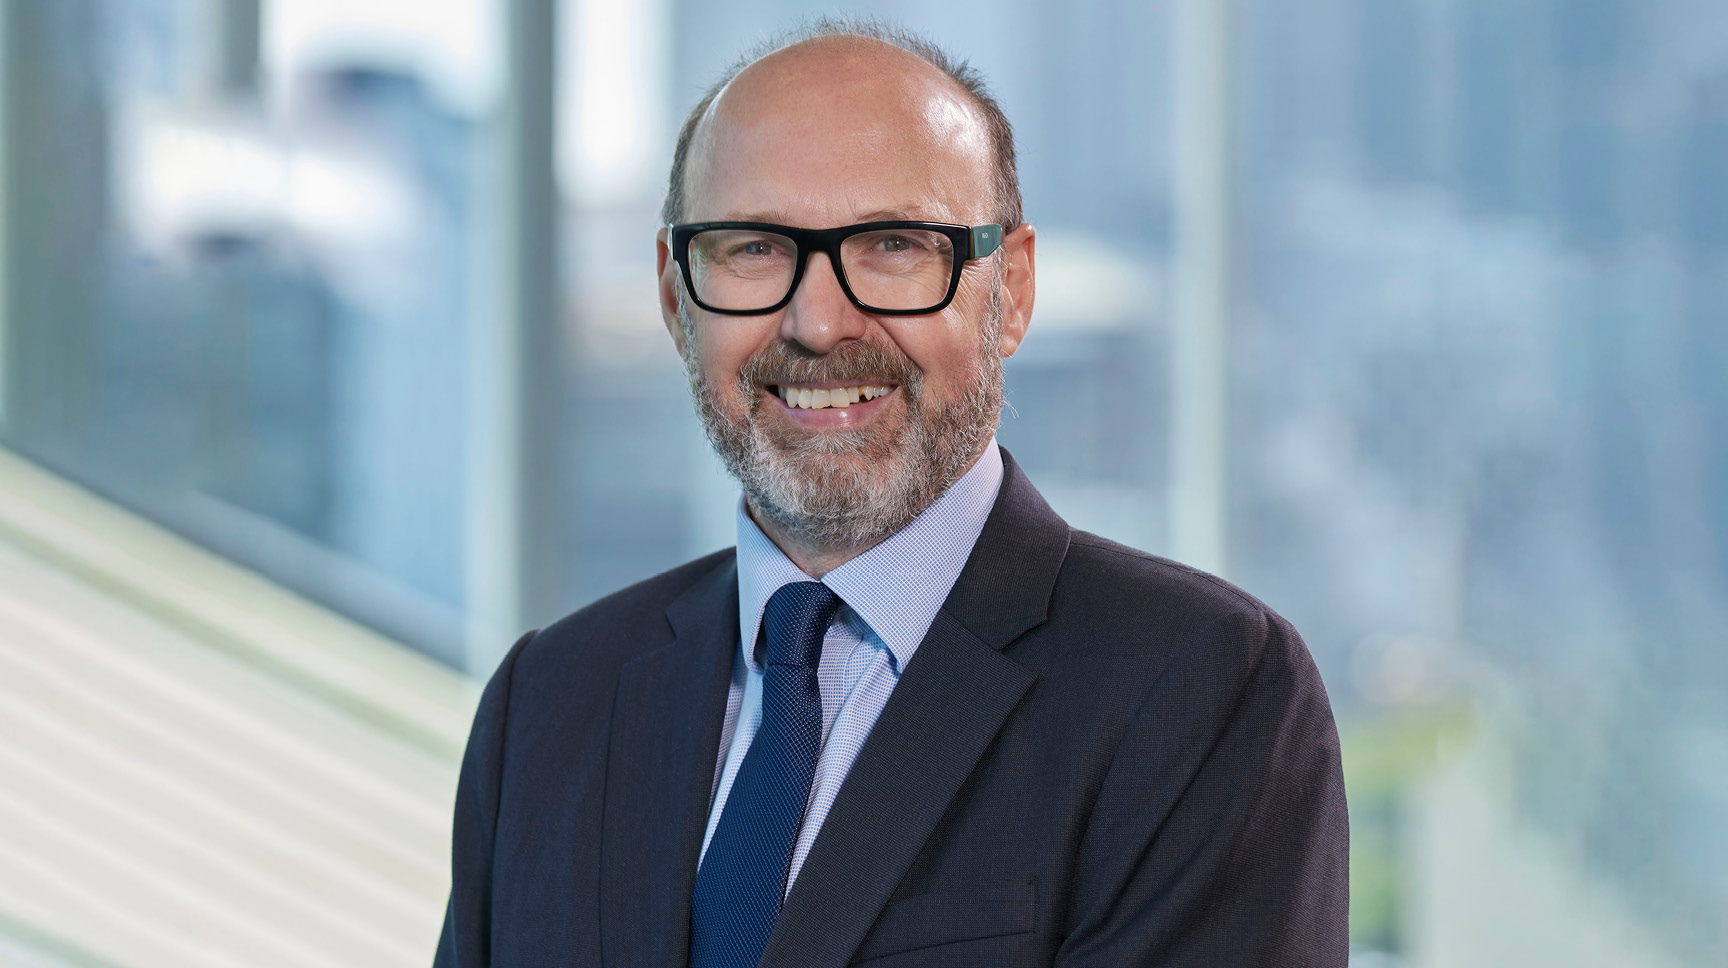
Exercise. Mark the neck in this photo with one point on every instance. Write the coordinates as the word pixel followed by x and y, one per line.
pixel 813 558
pixel 818 558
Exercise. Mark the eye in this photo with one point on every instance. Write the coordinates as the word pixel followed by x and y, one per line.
pixel 897 243
pixel 757 247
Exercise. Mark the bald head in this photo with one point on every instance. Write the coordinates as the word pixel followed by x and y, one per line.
pixel 844 100
pixel 838 130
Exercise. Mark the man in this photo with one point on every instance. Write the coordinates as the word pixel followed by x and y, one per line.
pixel 913 719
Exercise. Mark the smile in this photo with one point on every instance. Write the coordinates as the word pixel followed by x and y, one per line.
pixel 819 398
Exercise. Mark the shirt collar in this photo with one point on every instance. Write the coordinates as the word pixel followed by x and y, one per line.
pixel 896 587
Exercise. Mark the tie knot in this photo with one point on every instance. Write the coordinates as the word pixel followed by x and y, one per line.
pixel 796 621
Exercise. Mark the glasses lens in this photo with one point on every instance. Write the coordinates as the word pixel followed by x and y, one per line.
pixel 904 269
pixel 741 270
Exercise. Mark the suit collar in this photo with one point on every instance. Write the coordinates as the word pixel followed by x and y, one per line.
pixel 1005 588
pixel 666 723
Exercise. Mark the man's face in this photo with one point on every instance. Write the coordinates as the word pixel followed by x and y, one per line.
pixel 830 133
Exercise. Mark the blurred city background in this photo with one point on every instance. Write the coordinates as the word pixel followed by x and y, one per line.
pixel 330 360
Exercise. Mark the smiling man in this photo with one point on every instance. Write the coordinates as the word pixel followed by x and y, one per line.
pixel 912 718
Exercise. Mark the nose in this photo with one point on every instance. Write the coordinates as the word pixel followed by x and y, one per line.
pixel 820 317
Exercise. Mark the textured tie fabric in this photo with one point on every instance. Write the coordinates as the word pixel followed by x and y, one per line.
pixel 743 876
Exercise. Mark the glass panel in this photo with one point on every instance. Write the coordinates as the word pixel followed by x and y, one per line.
pixel 1481 455
pixel 240 264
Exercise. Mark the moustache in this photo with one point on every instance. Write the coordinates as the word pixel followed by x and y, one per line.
pixel 856 362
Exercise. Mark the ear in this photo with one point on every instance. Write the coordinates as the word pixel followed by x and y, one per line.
pixel 1019 285
pixel 669 282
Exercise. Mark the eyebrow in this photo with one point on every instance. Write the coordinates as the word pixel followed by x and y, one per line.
pixel 889 215
pixel 880 215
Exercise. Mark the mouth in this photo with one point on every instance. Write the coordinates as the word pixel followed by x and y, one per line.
pixel 829 396
pixel 821 407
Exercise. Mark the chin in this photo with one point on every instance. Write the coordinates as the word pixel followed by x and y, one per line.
pixel 839 488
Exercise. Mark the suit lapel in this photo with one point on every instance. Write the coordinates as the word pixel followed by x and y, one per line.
pixel 948 706
pixel 665 739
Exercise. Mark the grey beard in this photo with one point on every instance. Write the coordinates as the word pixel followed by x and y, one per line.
pixel 851 488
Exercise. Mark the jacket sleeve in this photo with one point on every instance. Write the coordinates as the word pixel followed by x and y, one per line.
pixel 466 939
pixel 1220 836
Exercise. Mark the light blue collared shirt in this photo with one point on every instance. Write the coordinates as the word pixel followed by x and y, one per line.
pixel 889 596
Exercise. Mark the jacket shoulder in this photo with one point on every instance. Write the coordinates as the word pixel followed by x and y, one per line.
pixel 1147 616
pixel 1177 589
pixel 612 630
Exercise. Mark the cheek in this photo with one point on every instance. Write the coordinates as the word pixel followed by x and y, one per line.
pixel 723 350
pixel 945 348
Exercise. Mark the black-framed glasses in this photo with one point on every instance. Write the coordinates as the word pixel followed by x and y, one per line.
pixel 885 268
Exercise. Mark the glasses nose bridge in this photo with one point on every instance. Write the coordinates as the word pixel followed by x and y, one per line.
pixel 828 244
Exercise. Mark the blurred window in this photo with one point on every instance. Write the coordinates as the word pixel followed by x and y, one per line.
pixel 1475 435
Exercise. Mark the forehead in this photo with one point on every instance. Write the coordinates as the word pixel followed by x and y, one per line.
pixel 838 130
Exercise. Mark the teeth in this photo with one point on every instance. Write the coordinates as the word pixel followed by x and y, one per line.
pixel 805 398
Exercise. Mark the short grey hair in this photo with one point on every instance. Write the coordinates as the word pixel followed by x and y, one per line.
pixel 1008 204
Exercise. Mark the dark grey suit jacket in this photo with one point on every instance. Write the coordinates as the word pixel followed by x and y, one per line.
pixel 1097 757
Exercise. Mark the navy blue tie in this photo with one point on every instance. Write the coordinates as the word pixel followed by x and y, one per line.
pixel 743 875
